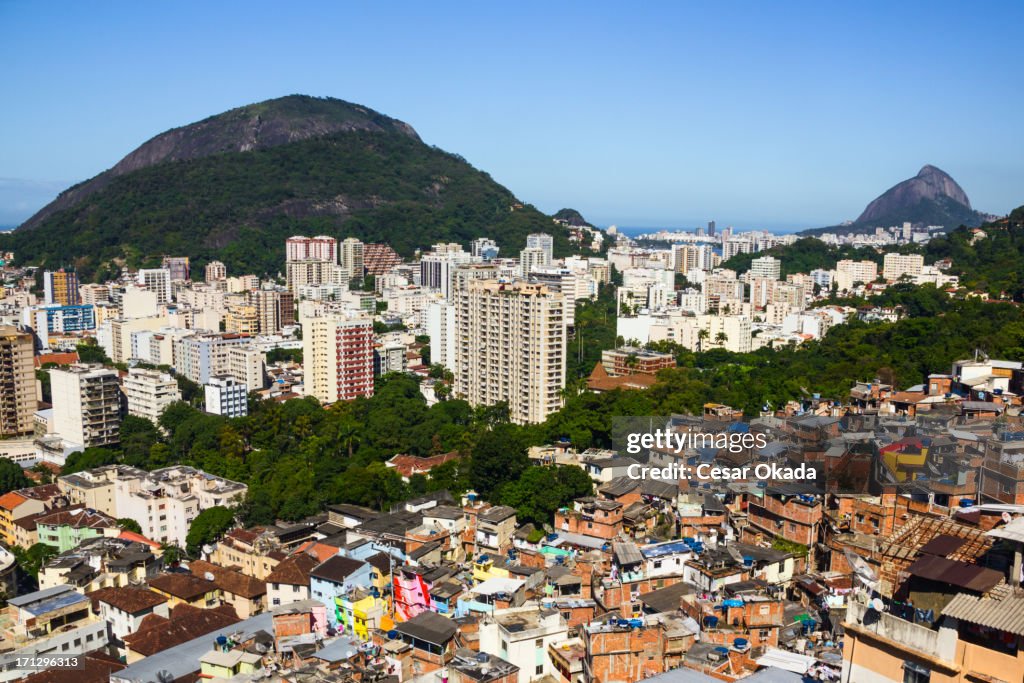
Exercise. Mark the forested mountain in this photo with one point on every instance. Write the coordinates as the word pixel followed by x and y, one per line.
pixel 233 187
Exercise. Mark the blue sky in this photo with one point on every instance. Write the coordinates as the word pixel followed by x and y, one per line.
pixel 671 113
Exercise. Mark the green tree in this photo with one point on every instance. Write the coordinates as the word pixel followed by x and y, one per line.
pixel 12 476
pixel 208 526
pixel 129 524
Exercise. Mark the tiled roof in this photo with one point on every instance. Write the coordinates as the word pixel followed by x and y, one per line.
pixel 294 570
pixel 128 599
pixel 183 586
pixel 230 580
pixel 94 667
pixel 336 568
pixel 79 519
pixel 11 500
pixel 156 634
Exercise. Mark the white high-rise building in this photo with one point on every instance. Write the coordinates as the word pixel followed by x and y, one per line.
pixel 544 242
pixel 352 264
pixel 86 405
pixel 531 259
pixel 157 280
pixel 511 347
pixel 767 267
pixel 441 330
pixel 849 273
pixel 149 392
pixel 895 266
pixel 437 266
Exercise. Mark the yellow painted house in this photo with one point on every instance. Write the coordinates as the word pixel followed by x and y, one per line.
pixel 220 664
pixel 484 568
pixel 359 613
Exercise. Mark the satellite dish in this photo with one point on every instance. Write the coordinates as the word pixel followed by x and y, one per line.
pixel 165 676
pixel 1007 517
pixel 207 549
pixel 209 576
pixel 876 604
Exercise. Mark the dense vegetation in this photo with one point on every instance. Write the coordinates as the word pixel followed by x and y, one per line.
pixel 805 255
pixel 992 264
pixel 239 207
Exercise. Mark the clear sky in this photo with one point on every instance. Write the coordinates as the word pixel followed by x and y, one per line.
pixel 662 114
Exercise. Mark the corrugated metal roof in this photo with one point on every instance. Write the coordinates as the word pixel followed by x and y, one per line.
pixel 1004 615
pixel 943 545
pixel 1013 530
pixel 627 553
pixel 961 574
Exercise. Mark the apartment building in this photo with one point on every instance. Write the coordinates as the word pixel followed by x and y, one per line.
pixel 438 265
pixel 61 287
pixel 896 266
pixel 273 308
pixel 157 280
pixel 226 396
pixel 149 392
pixel 767 267
pixel 849 273
pixel 242 319
pixel 177 266
pixel 199 357
pixel 96 488
pixel 247 364
pixel 59 319
pixel 511 346
pixel 338 355
pixel 630 360
pixel 17 382
pixel 351 258
pixel 215 271
pixel 86 405
pixel 164 502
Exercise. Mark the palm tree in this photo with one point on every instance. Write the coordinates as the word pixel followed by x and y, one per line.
pixel 721 338
pixel 701 336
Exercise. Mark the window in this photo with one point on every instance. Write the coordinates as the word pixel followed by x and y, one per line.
pixel 277 601
pixel 657 564
pixel 539 643
pixel 295 589
pixel 504 646
pixel 540 669
pixel 915 673
pixel 277 586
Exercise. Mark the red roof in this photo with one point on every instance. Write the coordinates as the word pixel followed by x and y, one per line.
pixel 138 538
pixel 69 358
pixel 408 465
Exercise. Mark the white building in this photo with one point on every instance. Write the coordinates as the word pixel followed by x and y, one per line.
pixel 441 330
pixel 86 405
pixel 522 636
pixel 164 502
pixel 157 280
pixel 226 396
pixel 896 266
pixel 767 267
pixel 149 392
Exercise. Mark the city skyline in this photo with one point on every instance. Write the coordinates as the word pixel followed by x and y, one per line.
pixel 661 117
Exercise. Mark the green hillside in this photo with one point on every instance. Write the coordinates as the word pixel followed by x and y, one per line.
pixel 380 184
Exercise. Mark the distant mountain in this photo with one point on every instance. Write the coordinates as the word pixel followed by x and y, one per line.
pixel 931 197
pixel 234 186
